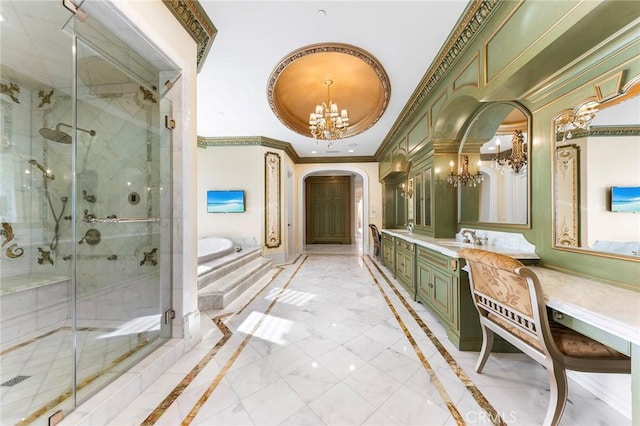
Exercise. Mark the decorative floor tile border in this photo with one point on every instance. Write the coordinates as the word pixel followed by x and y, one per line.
pixel 423 360
pixel 225 369
pixel 226 335
pixel 453 364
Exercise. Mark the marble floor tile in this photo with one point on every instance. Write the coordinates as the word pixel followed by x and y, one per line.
pixel 273 405
pixel 341 362
pixel 303 417
pixel 372 384
pixel 311 380
pixel 319 344
pixel 341 405
pixel 406 407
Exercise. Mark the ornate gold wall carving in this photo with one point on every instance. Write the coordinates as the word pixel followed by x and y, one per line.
pixel 272 230
pixel 566 195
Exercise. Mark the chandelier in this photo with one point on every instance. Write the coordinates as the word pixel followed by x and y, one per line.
pixel 576 120
pixel 464 177
pixel 325 123
pixel 516 160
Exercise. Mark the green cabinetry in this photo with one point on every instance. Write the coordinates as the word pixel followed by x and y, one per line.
pixel 405 265
pixel 388 252
pixel 443 286
pixel 445 290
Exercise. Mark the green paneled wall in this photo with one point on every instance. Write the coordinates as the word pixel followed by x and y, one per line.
pixel 517 55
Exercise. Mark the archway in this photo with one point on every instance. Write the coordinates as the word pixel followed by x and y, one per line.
pixel 324 170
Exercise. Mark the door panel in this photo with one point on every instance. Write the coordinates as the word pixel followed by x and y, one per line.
pixel 328 209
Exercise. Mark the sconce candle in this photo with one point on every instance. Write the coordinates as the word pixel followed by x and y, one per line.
pixel 464 177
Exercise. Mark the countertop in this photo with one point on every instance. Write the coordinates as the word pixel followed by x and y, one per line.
pixel 451 246
pixel 613 309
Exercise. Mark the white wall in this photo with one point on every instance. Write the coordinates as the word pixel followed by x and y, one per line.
pixel 232 167
pixel 622 155
pixel 242 167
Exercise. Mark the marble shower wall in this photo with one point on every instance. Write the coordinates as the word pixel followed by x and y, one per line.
pixel 122 158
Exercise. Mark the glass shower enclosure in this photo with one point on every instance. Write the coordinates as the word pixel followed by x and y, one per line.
pixel 85 204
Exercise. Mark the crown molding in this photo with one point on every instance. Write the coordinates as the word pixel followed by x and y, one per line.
pixel 473 21
pixel 196 22
pixel 206 142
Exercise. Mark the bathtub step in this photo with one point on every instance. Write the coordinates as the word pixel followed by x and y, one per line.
pixel 219 293
pixel 218 268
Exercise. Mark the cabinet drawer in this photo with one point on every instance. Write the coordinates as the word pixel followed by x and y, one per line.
pixel 438 260
pixel 405 245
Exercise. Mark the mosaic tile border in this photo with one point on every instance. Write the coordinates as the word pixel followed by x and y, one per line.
pixel 225 369
pixel 191 375
pixel 453 364
pixel 423 360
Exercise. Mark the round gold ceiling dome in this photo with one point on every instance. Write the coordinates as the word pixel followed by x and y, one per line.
pixel 360 85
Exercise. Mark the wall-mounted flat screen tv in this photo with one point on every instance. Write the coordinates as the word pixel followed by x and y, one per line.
pixel 225 201
pixel 625 199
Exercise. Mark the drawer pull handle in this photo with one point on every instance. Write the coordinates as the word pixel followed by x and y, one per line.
pixel 557 315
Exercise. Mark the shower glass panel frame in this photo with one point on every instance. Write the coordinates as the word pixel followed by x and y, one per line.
pixel 85 173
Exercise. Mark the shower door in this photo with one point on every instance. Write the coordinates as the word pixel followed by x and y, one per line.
pixel 122 203
pixel 85 205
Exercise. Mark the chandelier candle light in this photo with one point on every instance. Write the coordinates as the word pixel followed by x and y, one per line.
pixel 518 157
pixel 325 123
pixel 464 177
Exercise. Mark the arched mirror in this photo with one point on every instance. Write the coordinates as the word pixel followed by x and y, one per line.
pixel 596 176
pixel 492 174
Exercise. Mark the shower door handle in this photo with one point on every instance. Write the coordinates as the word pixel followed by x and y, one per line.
pixel 121 219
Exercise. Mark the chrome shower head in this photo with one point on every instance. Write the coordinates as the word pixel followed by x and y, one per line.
pixel 57 135
pixel 45 173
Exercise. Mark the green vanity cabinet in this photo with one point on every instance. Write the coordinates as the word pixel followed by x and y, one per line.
pixel 437 285
pixel 405 265
pixel 443 286
pixel 388 250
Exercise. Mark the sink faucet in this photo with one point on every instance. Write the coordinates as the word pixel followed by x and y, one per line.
pixel 410 228
pixel 469 236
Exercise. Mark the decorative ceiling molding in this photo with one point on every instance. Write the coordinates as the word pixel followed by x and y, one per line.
pixel 287 91
pixel 196 22
pixel 464 33
pixel 205 142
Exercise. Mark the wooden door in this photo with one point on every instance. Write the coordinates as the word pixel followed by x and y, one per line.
pixel 328 209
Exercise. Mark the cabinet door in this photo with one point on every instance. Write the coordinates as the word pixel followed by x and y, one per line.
pixel 418 199
pixel 423 282
pixel 387 252
pixel 404 271
pixel 442 293
pixel 426 198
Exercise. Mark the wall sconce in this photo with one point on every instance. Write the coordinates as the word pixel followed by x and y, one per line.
pixel 409 192
pixel 464 177
pixel 516 160
pixel 577 119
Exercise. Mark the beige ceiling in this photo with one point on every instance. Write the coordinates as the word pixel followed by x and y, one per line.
pixel 359 84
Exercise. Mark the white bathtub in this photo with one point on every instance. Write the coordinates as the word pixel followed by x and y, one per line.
pixel 213 248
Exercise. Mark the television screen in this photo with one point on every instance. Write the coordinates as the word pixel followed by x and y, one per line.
pixel 225 201
pixel 625 198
